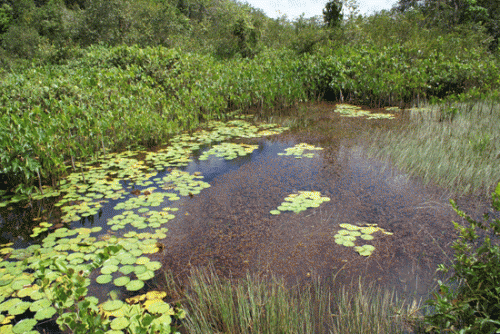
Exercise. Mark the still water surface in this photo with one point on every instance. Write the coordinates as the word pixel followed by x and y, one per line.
pixel 229 225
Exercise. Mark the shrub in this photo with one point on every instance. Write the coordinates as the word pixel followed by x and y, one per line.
pixel 474 307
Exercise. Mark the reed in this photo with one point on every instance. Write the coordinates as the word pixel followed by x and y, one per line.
pixel 455 145
pixel 256 305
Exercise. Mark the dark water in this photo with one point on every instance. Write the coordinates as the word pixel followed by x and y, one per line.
pixel 229 225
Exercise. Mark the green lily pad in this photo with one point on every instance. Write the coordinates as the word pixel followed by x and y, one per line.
pixel 40 304
pixel 147 275
pixel 153 265
pixel 127 269
pixel 121 281
pixel 20 284
pixel 19 308
pixel 45 313
pixel 109 269
pixel 134 285
pixel 159 307
pixel 104 279
pixel 24 326
pixel 365 250
pixel 112 305
pixel 119 323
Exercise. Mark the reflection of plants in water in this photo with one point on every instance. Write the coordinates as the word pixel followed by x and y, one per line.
pixel 347 236
pixel 301 201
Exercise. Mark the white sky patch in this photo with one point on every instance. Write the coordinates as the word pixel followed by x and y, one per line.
pixel 294 8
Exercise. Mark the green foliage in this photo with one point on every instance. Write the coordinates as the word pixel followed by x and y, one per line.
pixel 332 14
pixel 307 35
pixel 80 314
pixel 447 15
pixel 256 305
pixel 247 37
pixel 474 307
pixel 100 99
pixel 21 41
pixel 5 17
pixel 77 313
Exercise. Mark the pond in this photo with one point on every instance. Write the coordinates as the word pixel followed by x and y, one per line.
pixel 242 197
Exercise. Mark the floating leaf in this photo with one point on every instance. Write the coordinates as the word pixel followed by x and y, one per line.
pixel 121 281
pixel 19 308
pixel 103 279
pixel 119 323
pixel 112 305
pixel 159 307
pixel 45 313
pixel 40 304
pixel 24 326
pixel 134 285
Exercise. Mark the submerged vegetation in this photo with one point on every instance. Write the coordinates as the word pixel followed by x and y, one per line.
pixel 90 89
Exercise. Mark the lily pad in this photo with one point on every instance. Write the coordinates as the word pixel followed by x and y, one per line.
pixel 121 281
pixel 45 313
pixel 24 326
pixel 112 305
pixel 103 279
pixel 134 285
pixel 119 323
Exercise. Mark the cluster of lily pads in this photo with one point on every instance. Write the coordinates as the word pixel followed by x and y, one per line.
pixel 298 150
pixel 349 110
pixel 19 292
pixel 348 234
pixel 151 301
pixel 300 201
pixel 183 182
pixel 229 151
pixel 116 176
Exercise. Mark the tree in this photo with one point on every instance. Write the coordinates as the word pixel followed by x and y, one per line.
pixel 332 13
pixel 447 14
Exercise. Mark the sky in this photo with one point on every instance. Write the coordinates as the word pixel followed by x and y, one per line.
pixel 293 8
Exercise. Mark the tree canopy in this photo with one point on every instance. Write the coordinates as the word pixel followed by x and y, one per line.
pixel 332 13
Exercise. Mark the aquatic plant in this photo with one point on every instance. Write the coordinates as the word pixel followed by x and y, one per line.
pixel 347 236
pixel 301 201
pixel 348 110
pixel 254 304
pixel 461 155
pixel 68 256
pixel 298 151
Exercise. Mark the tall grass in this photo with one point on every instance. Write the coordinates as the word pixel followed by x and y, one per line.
pixel 255 305
pixel 456 145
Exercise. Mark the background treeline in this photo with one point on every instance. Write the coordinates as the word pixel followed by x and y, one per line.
pixel 52 31
pixel 82 77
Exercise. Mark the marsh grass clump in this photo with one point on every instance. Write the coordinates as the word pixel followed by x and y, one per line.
pixel 455 145
pixel 255 305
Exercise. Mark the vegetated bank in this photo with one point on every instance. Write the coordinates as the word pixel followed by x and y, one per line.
pixel 111 98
